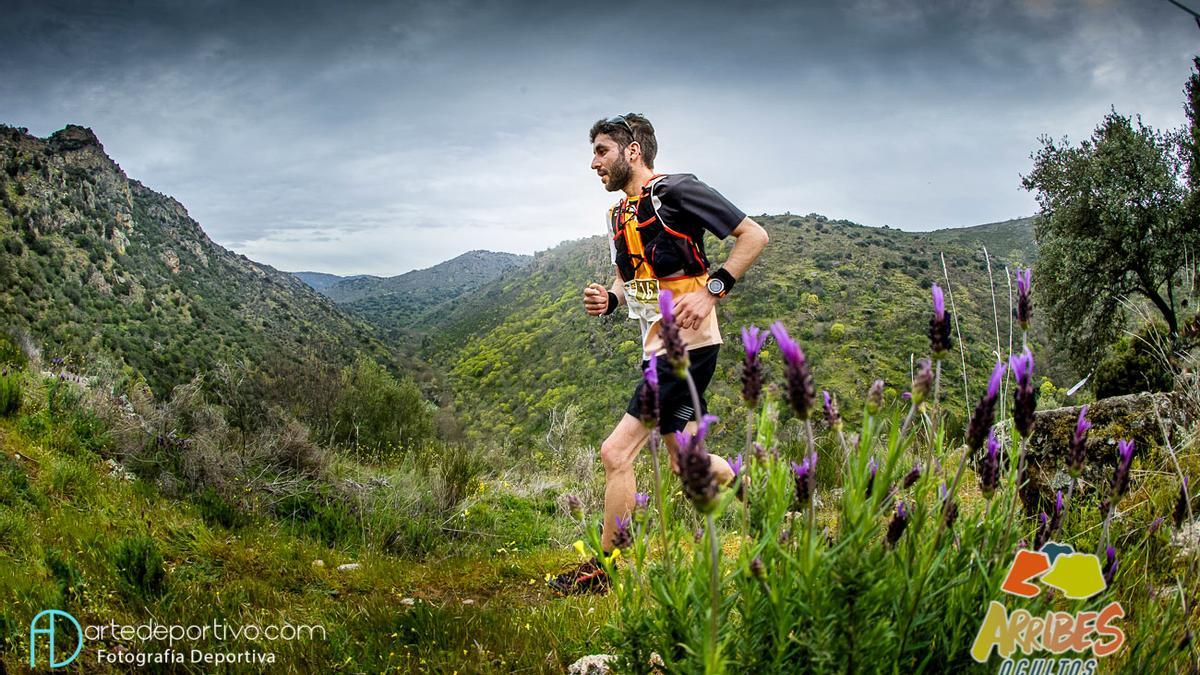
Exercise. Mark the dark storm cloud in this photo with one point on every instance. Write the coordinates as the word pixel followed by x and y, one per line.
pixel 378 137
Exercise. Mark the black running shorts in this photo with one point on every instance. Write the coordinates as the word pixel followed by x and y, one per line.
pixel 674 399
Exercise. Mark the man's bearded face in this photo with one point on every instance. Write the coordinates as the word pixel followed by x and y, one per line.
pixel 619 173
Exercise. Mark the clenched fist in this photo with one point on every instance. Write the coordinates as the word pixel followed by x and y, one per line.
pixel 595 299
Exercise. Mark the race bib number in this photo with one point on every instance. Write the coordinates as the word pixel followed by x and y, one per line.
pixel 641 296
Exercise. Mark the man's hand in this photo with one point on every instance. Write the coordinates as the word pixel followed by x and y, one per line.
pixel 692 308
pixel 595 299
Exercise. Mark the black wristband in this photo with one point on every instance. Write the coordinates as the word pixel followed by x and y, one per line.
pixel 612 303
pixel 724 275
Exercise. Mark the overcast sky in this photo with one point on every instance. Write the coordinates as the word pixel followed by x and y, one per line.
pixel 355 137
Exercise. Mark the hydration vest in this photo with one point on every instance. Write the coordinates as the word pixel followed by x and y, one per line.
pixel 653 249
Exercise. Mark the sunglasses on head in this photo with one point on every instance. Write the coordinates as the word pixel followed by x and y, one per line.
pixel 620 119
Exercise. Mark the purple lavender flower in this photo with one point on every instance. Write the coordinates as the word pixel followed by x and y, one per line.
pixel 1077 446
pixel 753 339
pixel 575 505
pixel 648 394
pixel 695 467
pixel 760 452
pixel 1024 395
pixel 949 511
pixel 1154 525
pixel 806 480
pixel 832 417
pixel 1024 286
pixel 989 468
pixel 922 382
pixel 1120 482
pixel 757 569
pixel 1049 525
pixel 875 397
pixel 897 525
pixel 1181 506
pixel 1059 508
pixel 1043 528
pixel 736 463
pixel 800 390
pixel 939 324
pixel 985 410
pixel 872 470
pixel 1110 566
pixel 913 475
pixel 641 500
pixel 673 343
pixel 623 537
pixel 698 535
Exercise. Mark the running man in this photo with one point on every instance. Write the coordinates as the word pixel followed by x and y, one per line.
pixel 656 236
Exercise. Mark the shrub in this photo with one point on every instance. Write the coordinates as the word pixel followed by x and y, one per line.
pixel 8 629
pixel 378 415
pixel 11 355
pixel 458 470
pixel 216 510
pixel 1134 364
pixel 66 575
pixel 140 567
pixel 10 392
pixel 318 514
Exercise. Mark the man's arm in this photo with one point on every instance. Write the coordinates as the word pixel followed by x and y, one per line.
pixel 751 238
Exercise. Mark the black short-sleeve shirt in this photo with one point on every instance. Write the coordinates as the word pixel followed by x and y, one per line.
pixel 688 205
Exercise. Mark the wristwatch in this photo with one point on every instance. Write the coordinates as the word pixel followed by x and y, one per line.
pixel 719 283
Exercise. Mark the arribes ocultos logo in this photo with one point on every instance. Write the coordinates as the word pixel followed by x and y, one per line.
pixel 1019 637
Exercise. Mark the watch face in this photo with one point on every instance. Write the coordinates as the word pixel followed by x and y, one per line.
pixel 716 286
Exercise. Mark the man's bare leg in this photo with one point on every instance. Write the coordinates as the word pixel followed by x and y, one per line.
pixel 617 454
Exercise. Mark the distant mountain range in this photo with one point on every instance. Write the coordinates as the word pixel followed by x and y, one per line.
pixel 321 281
pixel 407 306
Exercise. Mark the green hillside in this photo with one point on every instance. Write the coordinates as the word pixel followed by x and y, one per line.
pixel 95 265
pixel 856 297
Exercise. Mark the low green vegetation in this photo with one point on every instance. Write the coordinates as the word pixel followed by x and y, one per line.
pixel 450 555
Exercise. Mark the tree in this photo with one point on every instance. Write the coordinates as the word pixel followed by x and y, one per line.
pixel 1112 224
pixel 379 414
pixel 1191 148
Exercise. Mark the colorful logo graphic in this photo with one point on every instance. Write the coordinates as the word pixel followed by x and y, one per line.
pixel 1077 576
pixel 49 631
